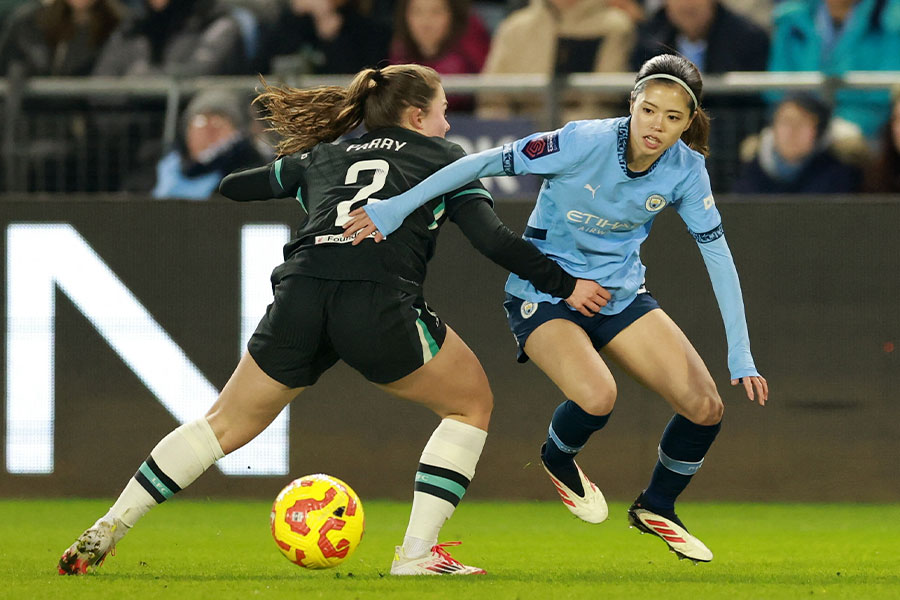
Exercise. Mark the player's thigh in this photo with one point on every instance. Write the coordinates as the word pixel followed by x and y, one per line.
pixel 452 384
pixel 563 350
pixel 249 402
pixel 383 332
pixel 417 356
pixel 290 343
pixel 287 352
pixel 655 351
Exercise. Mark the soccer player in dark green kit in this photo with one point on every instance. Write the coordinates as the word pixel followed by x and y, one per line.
pixel 333 300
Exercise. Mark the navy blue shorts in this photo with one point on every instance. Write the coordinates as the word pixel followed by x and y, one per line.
pixel 525 317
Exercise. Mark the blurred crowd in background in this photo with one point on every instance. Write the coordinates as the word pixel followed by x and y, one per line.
pixel 807 142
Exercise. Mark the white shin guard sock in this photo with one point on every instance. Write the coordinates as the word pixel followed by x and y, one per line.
pixel 445 469
pixel 176 461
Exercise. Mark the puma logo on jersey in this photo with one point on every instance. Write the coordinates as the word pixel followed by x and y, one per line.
pixel 383 143
pixel 593 190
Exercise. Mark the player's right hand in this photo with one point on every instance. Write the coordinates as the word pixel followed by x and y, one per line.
pixel 588 297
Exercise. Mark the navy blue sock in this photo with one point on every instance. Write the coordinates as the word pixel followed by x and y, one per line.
pixel 681 451
pixel 570 429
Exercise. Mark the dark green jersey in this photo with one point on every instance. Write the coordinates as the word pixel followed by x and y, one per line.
pixel 330 180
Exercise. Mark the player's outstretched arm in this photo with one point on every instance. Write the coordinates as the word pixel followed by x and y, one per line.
pixel 386 216
pixel 727 287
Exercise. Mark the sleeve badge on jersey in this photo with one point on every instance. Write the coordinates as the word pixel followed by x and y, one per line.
pixel 542 146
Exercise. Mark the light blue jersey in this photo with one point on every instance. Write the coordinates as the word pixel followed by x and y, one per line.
pixel 593 213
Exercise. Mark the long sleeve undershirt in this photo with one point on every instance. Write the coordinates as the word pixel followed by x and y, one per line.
pixel 484 230
pixel 476 219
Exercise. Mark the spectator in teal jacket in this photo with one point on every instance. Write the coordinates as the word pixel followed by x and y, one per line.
pixel 836 36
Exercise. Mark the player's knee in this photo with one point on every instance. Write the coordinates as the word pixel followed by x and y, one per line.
pixel 708 409
pixel 222 418
pixel 484 402
pixel 597 400
pixel 477 410
pixel 227 429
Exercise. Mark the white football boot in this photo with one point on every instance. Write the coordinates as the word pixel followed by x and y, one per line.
pixel 437 562
pixel 591 507
pixel 92 547
pixel 672 532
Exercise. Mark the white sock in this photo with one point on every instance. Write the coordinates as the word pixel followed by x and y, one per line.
pixel 445 469
pixel 176 461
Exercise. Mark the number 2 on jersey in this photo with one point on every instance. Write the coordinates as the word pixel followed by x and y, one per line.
pixel 380 168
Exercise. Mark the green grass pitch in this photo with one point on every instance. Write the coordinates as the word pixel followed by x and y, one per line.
pixel 190 549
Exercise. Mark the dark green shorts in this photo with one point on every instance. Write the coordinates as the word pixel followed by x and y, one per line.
pixel 382 332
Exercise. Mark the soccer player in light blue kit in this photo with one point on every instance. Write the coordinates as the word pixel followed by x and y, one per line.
pixel 604 182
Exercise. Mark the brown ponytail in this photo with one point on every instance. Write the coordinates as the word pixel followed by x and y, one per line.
pixel 696 136
pixel 375 97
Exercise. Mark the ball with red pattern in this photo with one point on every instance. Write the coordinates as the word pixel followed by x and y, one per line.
pixel 317 521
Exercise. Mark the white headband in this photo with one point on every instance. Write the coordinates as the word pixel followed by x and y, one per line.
pixel 672 78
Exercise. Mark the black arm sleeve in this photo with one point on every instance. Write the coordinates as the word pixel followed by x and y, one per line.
pixel 247 185
pixel 481 225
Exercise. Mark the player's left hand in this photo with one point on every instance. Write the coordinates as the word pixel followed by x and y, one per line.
pixel 361 226
pixel 757 388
